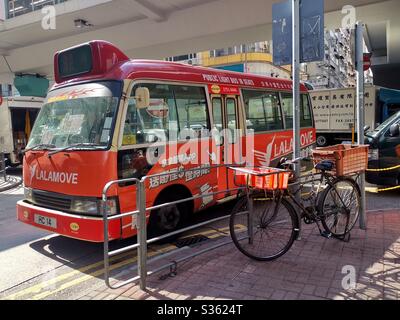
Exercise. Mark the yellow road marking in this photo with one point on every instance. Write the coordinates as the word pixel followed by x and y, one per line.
pixel 39 287
pixel 86 277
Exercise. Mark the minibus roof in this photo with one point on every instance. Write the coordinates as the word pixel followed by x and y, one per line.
pixel 123 68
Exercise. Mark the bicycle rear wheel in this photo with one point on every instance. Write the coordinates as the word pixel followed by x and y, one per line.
pixel 268 232
pixel 340 206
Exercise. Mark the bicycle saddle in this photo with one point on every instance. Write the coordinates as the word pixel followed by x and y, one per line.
pixel 324 165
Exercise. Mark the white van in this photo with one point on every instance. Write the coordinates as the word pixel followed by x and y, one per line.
pixel 335 111
pixel 17 116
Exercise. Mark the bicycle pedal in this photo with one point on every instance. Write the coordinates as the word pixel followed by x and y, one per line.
pixel 326 234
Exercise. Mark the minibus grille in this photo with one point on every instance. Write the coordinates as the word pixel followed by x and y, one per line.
pixel 51 200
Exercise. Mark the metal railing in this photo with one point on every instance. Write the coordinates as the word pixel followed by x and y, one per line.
pixel 142 241
pixel 15 8
pixel 3 167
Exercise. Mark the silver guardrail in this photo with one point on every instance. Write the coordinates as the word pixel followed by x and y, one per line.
pixel 141 226
pixel 3 167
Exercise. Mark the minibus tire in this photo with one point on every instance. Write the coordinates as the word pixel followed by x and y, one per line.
pixel 159 217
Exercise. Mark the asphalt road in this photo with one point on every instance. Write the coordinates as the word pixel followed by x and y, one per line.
pixel 38 265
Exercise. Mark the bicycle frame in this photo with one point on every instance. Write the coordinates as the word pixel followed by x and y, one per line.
pixel 329 181
pixel 314 194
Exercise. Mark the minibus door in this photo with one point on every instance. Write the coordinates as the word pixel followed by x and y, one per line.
pixel 226 122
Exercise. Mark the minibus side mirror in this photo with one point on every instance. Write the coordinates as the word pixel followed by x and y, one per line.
pixel 142 96
pixel 395 130
pixel 366 128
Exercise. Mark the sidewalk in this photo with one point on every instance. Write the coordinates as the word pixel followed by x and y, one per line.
pixel 11 183
pixel 314 268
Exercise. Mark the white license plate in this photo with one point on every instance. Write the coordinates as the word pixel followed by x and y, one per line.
pixel 46 221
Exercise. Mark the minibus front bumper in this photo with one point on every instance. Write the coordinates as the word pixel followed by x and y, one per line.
pixel 66 224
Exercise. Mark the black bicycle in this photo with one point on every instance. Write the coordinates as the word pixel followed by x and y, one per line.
pixel 264 224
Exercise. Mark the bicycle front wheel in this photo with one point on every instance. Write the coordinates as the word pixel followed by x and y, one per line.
pixel 265 233
pixel 340 206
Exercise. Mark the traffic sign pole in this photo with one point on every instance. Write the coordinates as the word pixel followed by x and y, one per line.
pixel 296 82
pixel 359 48
pixel 296 90
pixel 292 19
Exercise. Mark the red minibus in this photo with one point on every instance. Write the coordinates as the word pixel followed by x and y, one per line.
pixel 110 118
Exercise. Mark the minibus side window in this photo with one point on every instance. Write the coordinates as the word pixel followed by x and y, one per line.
pixel 175 112
pixel 305 110
pixel 191 104
pixel 287 107
pixel 218 124
pixel 217 113
pixel 158 122
pixel 262 110
pixel 231 119
pixel 306 118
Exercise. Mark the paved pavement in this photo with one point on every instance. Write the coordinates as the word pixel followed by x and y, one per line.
pixel 314 268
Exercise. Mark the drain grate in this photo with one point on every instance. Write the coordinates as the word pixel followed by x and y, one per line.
pixel 190 241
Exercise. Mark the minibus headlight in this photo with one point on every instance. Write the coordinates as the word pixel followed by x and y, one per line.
pixel 28 194
pixel 93 207
pixel 373 154
pixel 85 206
pixel 111 207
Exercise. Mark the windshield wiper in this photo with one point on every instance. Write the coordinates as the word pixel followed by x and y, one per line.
pixel 76 145
pixel 42 146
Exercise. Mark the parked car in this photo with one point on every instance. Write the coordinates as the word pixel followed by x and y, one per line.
pixel 384 152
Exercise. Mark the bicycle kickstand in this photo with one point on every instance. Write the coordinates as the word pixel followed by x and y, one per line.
pixel 324 233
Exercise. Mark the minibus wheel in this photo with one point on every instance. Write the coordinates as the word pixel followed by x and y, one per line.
pixel 170 218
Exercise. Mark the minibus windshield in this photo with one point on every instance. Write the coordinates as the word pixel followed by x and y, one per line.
pixel 82 119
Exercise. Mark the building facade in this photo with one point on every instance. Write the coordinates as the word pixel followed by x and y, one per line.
pixel 336 71
pixel 254 58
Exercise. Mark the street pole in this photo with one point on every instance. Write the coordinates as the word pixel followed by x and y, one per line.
pixel 296 83
pixel 361 113
pixel 296 92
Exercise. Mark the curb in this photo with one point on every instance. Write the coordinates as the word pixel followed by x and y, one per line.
pixel 13 182
pixel 383 210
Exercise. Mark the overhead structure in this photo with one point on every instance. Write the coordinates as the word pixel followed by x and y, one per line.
pixel 159 29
